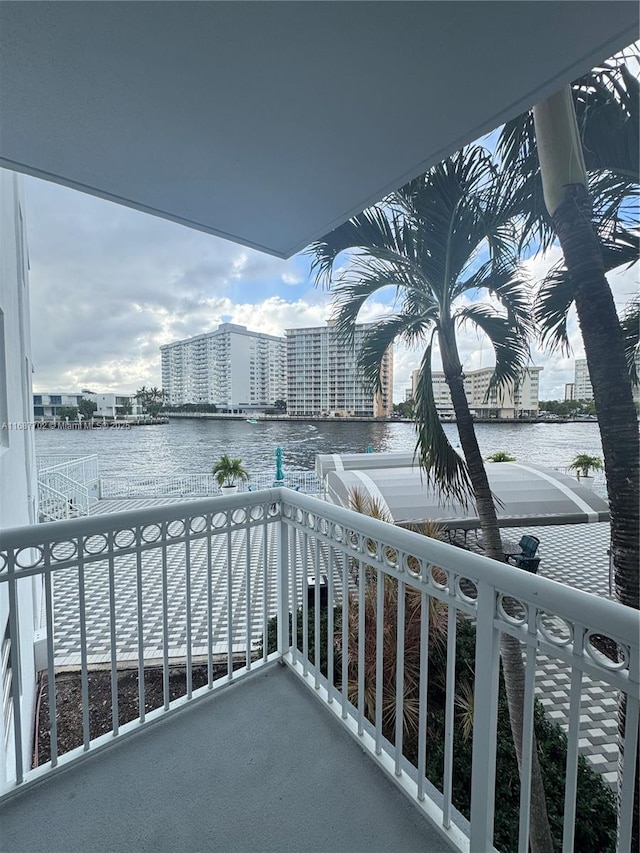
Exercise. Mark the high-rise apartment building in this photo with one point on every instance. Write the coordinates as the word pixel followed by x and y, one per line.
pixel 506 402
pixel 582 381
pixel 324 379
pixel 582 389
pixel 232 368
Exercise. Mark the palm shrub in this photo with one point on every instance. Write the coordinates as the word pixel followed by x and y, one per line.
pixel 595 803
pixel 228 472
pixel 500 456
pixel 583 463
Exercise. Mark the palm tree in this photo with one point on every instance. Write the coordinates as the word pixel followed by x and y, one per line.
pixel 599 178
pixel 440 241
pixel 606 115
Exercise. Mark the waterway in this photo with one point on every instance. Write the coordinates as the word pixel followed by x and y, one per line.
pixel 192 446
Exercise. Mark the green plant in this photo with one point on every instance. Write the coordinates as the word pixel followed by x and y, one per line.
pixel 272 637
pixel 583 463
pixel 87 407
pixel 500 456
pixel 228 472
pixel 70 412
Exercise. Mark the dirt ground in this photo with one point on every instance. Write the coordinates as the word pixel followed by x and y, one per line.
pixel 69 702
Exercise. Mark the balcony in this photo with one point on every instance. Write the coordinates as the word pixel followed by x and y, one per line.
pixel 264 757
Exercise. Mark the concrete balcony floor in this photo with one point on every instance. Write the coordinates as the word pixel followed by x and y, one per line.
pixel 259 766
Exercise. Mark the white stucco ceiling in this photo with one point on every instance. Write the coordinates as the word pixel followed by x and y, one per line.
pixel 271 122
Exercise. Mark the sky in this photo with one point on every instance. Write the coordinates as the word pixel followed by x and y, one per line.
pixel 110 285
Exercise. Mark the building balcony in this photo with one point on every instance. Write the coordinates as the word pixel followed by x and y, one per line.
pixel 269 757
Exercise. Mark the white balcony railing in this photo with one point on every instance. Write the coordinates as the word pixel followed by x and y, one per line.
pixel 220 568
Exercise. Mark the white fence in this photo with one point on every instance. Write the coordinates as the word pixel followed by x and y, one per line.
pixel 199 485
pixel 244 558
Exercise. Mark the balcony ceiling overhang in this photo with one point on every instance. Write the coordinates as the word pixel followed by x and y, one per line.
pixel 271 123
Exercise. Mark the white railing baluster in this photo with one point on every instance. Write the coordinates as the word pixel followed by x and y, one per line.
pixel 571 775
pixel 51 676
pixel 84 677
pixel 284 573
pixel 330 625
pixel 305 603
pixel 629 756
pixel 485 720
pixel 140 620
pixel 210 610
pixel 345 635
pixel 247 575
pixel 380 581
pixel 361 645
pixel 166 693
pixel 449 714
pixel 527 735
pixel 187 605
pixel 422 693
pixel 317 606
pixel 265 590
pixel 293 575
pixel 229 598
pixel 399 677
pixel 113 648
pixel 14 657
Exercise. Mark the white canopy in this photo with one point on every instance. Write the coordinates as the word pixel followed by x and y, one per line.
pixel 526 495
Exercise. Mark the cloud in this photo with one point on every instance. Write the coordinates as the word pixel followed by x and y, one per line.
pixel 110 285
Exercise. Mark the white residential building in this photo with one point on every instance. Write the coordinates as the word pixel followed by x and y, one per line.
pixel 232 368
pixel 323 376
pixel 46 406
pixel 507 402
pixel 18 494
pixel 582 389
pixel 582 382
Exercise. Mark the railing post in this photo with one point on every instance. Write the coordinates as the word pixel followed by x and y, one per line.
pixel 283 587
pixel 485 718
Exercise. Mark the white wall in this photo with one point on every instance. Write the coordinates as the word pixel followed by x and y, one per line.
pixel 17 458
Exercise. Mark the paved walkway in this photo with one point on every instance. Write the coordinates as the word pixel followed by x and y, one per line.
pixel 572 554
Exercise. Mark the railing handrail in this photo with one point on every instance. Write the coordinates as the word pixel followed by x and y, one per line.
pixel 64 461
pixel 312 534
pixel 49 494
pixel 620 622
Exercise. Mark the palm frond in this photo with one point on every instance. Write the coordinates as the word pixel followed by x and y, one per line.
pixel 551 309
pixel 510 345
pixel 630 323
pixel 370 228
pixel 619 247
pixel 443 467
pixel 380 337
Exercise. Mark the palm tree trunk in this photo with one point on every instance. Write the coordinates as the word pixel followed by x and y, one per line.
pixel 556 130
pixel 510 649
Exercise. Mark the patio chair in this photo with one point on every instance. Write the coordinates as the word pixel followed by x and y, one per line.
pixel 526 558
